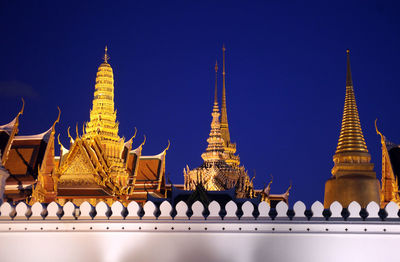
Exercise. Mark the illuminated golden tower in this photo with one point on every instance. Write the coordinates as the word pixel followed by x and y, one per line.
pixel 103 117
pixel 216 173
pixel 229 148
pixel 353 177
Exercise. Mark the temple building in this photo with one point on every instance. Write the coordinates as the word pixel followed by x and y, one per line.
pixel 221 169
pixel 98 166
pixel 390 171
pixel 353 177
pixel 23 158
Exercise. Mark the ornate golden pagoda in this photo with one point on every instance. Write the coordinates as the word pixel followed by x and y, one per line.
pixel 215 174
pixel 353 177
pixel 99 165
pixel 229 147
pixel 390 171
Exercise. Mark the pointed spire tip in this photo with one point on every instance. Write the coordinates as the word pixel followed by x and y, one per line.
pixel 106 56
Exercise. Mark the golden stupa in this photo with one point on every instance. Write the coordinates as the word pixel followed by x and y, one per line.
pixel 353 177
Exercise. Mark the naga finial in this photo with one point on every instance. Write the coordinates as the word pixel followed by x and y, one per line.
pixel 58 118
pixel 23 107
pixel 58 139
pixel 379 133
pixel 169 143
pixel 144 141
pixel 76 130
pixel 134 135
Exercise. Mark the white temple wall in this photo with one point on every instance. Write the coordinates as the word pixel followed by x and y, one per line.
pixel 196 246
pixel 70 233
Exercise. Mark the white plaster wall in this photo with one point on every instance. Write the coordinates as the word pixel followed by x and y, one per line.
pixel 196 246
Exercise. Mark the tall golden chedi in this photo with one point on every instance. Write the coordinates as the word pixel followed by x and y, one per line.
pixel 100 166
pixel 353 177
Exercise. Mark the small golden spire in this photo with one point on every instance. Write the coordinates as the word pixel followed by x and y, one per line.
pixel 224 114
pixel 106 56
pixel 216 78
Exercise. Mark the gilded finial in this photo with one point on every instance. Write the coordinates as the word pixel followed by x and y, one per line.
pixel 216 78
pixel 23 107
pixel 378 132
pixel 349 80
pixel 106 56
pixel 290 187
pixel 57 120
pixel 69 134
pixel 144 141
pixel 169 144
pixel 134 135
pixel 58 139
pixel 76 130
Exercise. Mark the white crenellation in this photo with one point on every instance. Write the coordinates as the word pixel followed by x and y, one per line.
pixel 86 210
pixel 165 211
pixel 247 209
pixel 149 210
pixel 53 211
pixel 197 209
pixel 117 208
pixel 392 210
pixel 214 208
pixel 102 211
pixel 336 210
pixel 281 209
pixel 231 209
pixel 181 211
pixel 70 211
pixel 354 209
pixel 299 208
pixel 373 209
pixel 21 210
pixel 133 210
pixel 317 210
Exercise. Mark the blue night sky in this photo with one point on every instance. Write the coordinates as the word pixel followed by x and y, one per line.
pixel 286 66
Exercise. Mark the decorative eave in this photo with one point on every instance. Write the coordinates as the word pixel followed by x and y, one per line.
pixel 8 128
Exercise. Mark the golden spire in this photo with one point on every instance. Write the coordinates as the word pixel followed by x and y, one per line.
pixel 224 115
pixel 215 148
pixel 351 137
pixel 216 78
pixel 103 114
pixel 106 56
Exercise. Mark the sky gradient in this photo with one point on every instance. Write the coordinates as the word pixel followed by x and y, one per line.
pixel 285 63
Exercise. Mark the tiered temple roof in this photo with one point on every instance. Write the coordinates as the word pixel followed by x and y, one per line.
pixel 98 166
